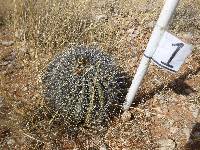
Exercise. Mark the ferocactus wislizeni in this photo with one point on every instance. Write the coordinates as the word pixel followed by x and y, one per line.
pixel 86 86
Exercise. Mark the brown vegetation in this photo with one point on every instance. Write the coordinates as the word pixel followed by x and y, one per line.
pixel 41 29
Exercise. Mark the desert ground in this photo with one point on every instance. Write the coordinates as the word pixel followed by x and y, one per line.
pixel 166 111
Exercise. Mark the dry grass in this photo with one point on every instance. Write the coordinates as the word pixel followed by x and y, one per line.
pixel 55 24
pixel 5 12
pixel 42 28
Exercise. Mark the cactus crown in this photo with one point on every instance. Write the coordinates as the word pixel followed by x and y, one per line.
pixel 86 86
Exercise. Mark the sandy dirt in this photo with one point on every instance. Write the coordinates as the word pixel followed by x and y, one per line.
pixel 166 111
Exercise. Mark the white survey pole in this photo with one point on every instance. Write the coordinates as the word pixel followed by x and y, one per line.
pixel 159 29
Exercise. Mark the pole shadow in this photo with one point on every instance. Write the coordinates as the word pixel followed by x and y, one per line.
pixel 178 86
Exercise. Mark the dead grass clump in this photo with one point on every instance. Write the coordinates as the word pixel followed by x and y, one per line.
pixel 5 12
pixel 50 24
pixel 53 25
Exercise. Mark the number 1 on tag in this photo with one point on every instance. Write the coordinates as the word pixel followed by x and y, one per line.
pixel 179 46
pixel 171 52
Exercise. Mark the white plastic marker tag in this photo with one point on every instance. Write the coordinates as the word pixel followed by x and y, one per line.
pixel 171 52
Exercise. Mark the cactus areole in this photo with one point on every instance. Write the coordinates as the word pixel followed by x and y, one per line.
pixel 86 86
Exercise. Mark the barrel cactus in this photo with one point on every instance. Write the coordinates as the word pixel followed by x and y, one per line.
pixel 86 86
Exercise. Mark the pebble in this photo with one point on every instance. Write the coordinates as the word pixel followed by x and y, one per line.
pixel 104 147
pixel 25 89
pixel 195 110
pixel 151 24
pixel 133 33
pixel 126 116
pixel 173 130
pixel 1 101
pixel 101 17
pixel 11 141
pixel 7 43
pixel 188 37
pixel 5 63
pixel 167 144
pixel 147 113
pixel 186 131
pixel 169 123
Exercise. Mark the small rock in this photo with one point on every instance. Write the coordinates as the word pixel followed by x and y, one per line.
pixel 167 144
pixel 160 116
pixel 19 33
pixel 151 24
pixel 1 101
pixel 7 43
pixel 143 9
pixel 5 63
pixel 101 17
pixel 195 110
pixel 147 113
pixel 188 37
pixel 126 116
pixel 133 33
pixel 173 130
pixel 25 88
pixel 104 146
pixel 186 131
pixel 169 123
pixel 130 31
pixel 11 141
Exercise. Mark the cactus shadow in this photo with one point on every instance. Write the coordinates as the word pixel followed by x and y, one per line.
pixel 178 86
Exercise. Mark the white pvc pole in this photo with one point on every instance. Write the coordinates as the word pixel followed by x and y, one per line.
pixel 159 29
